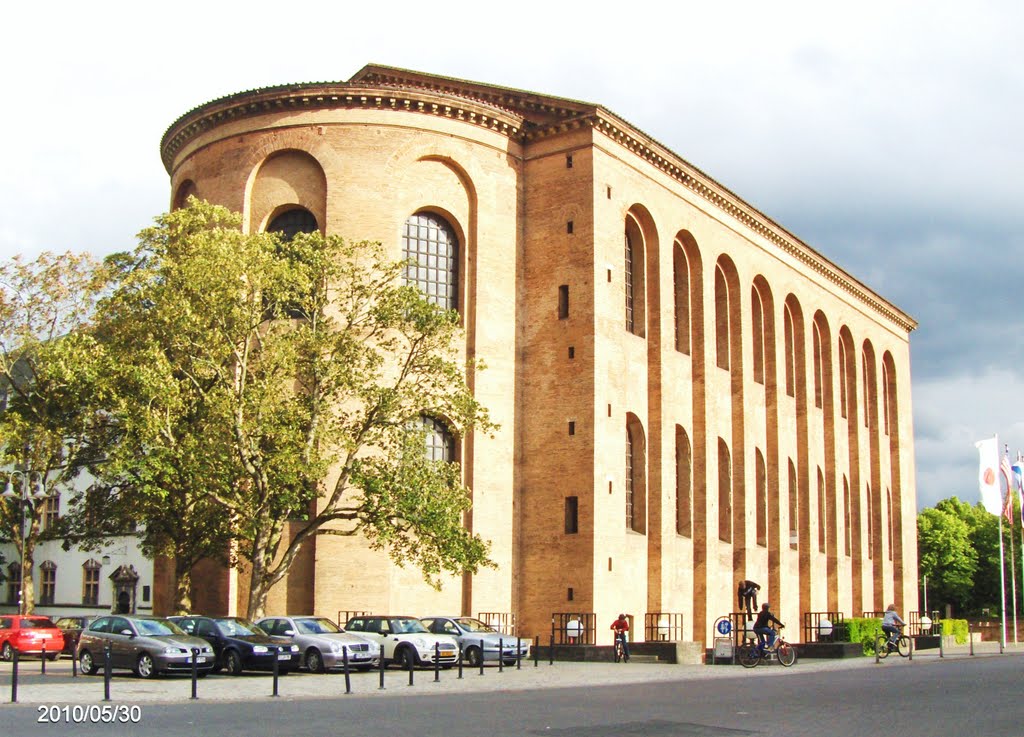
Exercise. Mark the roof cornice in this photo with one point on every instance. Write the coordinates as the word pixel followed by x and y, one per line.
pixel 522 116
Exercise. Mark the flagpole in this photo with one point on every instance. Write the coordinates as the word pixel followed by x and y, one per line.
pixel 1009 521
pixel 1002 583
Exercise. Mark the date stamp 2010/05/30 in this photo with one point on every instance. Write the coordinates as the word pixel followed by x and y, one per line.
pixel 88 714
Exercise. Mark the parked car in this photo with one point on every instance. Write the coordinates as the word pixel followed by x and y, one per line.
pixel 240 645
pixel 405 640
pixel 71 627
pixel 29 634
pixel 323 644
pixel 147 645
pixel 470 633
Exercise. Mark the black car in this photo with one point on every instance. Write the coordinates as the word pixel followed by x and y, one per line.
pixel 240 645
pixel 72 628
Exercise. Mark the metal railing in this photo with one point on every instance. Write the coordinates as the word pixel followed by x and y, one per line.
pixel 823 627
pixel 663 626
pixel 346 614
pixel 503 621
pixel 575 628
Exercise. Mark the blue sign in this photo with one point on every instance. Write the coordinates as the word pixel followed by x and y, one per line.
pixel 724 626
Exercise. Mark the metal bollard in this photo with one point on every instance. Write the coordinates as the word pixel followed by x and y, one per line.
pixel 344 664
pixel 437 662
pixel 277 668
pixel 551 651
pixel 42 659
pixel 519 653
pixel 106 672
pixel 910 656
pixel 74 664
pixel 14 676
pixel 536 651
pixel 942 649
pixel 460 661
pixel 381 688
pixel 195 672
pixel 482 657
pixel 501 654
pixel 412 667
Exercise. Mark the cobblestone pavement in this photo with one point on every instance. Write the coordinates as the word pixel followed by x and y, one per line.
pixel 58 686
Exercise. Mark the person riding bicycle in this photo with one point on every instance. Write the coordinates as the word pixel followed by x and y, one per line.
pixel 621 628
pixel 891 622
pixel 762 628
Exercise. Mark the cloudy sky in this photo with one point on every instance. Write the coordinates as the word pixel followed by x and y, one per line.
pixel 885 134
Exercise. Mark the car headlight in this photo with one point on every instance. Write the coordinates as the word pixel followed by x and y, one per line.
pixel 172 650
pixel 419 642
pixel 337 647
pixel 294 648
pixel 259 648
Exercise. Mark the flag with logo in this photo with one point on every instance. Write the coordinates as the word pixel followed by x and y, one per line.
pixel 1018 483
pixel 988 479
pixel 1004 466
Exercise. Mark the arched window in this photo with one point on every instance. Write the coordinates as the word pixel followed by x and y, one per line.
pixel 724 492
pixel 844 383
pixel 757 318
pixel 790 348
pixel 847 516
pixel 871 523
pixel 888 510
pixel 431 251
pixel 822 529
pixel 636 478
pixel 684 484
pixel 818 365
pixel 761 491
pixel 633 276
pixel 294 221
pixel 439 439
pixel 48 584
pixel 721 319
pixel 681 280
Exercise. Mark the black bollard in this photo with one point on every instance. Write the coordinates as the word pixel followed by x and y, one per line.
pixel 551 651
pixel 106 672
pixel 195 672
pixel 382 667
pixel 519 653
pixel 412 666
pixel 42 660
pixel 481 657
pixel 14 676
pixel 460 661
pixel 74 665
pixel 536 650
pixel 277 668
pixel 501 654
pixel 344 665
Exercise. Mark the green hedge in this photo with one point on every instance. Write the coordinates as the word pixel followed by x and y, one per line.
pixel 955 627
pixel 864 630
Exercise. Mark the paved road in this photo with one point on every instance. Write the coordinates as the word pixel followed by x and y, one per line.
pixel 955 696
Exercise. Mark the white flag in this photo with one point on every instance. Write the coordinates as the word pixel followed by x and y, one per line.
pixel 988 475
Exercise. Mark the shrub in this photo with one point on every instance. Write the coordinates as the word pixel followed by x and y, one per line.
pixel 863 630
pixel 955 627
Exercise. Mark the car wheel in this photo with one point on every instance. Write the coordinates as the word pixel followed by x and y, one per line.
pixel 474 656
pixel 233 662
pixel 7 653
pixel 406 658
pixel 86 663
pixel 144 666
pixel 202 674
pixel 52 656
pixel 314 661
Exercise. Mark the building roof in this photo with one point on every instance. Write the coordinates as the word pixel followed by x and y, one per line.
pixel 523 116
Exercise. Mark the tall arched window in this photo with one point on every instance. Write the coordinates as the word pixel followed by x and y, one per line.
pixel 681 282
pixel 757 318
pixel 431 251
pixel 48 582
pixel 888 511
pixel 844 384
pixel 822 528
pixel 439 439
pixel 847 516
pixel 761 491
pixel 794 508
pixel 634 265
pixel 790 348
pixel 724 492
pixel 818 365
pixel 636 477
pixel 684 483
pixel 871 522
pixel 721 319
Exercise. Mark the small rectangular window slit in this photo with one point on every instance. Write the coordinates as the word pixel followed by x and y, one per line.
pixel 563 302
pixel 568 161
pixel 572 428
pixel 572 353
pixel 568 227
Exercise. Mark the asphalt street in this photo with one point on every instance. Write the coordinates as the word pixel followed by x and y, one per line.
pixel 958 695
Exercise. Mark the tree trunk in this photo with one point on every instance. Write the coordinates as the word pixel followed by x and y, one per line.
pixel 182 590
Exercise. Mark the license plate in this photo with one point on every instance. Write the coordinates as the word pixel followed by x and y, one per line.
pixel 200 659
pixel 447 652
pixel 284 656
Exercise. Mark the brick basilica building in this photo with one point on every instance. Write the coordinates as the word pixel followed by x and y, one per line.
pixel 688 395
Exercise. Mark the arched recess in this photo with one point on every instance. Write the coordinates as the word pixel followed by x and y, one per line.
pixel 849 411
pixel 824 399
pixel 634 277
pixel 760 498
pixel 869 378
pixel 725 492
pixel 847 523
pixel 822 525
pixel 762 300
pixel 890 384
pixel 681 297
pixel 698 362
pixel 725 270
pixel 684 483
pixel 186 189
pixel 796 386
pixel 286 179
pixel 636 475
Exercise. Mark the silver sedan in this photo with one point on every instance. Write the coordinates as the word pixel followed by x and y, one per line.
pixel 323 644
pixel 478 640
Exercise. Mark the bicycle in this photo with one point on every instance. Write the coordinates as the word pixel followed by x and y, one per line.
pixel 620 647
pixel 885 644
pixel 751 655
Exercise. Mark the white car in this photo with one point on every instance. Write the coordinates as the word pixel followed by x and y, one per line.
pixel 405 640
pixel 323 644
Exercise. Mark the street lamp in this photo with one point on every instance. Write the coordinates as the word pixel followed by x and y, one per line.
pixel 26 498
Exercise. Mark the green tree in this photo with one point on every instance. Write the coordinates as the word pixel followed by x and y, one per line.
pixel 308 366
pixel 946 556
pixel 49 378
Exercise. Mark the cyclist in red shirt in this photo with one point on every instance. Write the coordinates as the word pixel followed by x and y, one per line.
pixel 621 628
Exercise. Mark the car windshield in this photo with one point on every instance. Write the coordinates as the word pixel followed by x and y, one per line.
pixel 157 627
pixel 237 627
pixel 407 626
pixel 34 622
pixel 474 625
pixel 316 626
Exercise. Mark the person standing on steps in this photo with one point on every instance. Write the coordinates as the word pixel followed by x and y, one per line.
pixel 746 592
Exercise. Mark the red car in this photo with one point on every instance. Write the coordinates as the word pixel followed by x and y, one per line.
pixel 28 634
